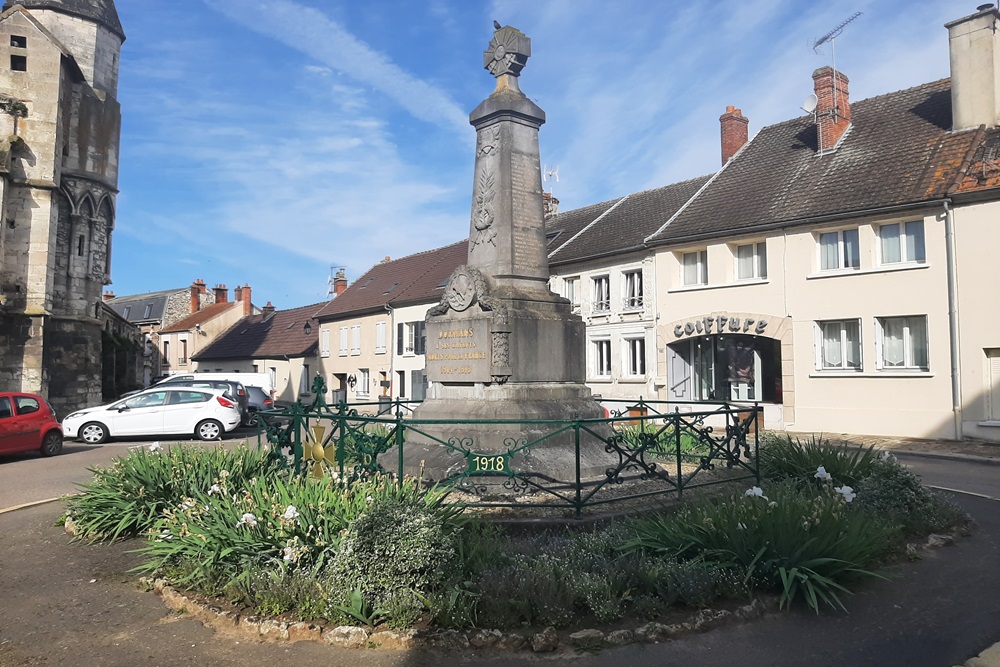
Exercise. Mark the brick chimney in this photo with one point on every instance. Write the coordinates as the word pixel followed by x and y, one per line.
pixel 550 205
pixel 267 310
pixel 197 289
pixel 734 126
pixel 108 296
pixel 243 295
pixel 386 260
pixel 974 52
pixel 339 283
pixel 833 107
pixel 221 293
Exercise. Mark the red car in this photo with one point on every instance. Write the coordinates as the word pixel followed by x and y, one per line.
pixel 28 423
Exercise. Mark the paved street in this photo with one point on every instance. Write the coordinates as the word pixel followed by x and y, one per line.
pixel 938 611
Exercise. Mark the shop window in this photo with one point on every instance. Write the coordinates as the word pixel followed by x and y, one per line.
pixel 602 294
pixel 751 261
pixel 694 268
pixel 838 345
pixel 839 250
pixel 902 343
pixel 902 242
pixel 632 284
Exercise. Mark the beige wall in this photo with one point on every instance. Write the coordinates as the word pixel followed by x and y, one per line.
pixel 977 238
pixel 356 356
pixel 196 340
pixel 796 294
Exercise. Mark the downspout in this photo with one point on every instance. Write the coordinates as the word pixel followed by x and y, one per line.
pixel 390 343
pixel 954 347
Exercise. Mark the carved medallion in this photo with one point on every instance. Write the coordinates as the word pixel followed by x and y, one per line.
pixel 508 52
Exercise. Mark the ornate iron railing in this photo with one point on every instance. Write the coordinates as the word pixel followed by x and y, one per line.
pixel 650 448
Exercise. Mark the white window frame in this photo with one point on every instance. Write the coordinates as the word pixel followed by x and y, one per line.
pixel 304 387
pixel 409 339
pixel 911 339
pixel 635 356
pixel 571 290
pixel 632 290
pixel 757 264
pixel 601 289
pixel 380 337
pixel 355 340
pixel 324 342
pixel 697 260
pixel 844 347
pixel 908 241
pixel 601 348
pixel 364 383
pixel 842 248
pixel 345 341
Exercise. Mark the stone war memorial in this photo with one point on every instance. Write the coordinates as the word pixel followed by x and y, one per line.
pixel 501 346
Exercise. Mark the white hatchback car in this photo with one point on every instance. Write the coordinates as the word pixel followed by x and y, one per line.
pixel 160 410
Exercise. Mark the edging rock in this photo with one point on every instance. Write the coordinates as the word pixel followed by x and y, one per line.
pixel 352 637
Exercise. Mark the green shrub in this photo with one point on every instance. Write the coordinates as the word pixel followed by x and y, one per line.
pixel 782 457
pixel 892 491
pixel 799 542
pixel 128 498
pixel 396 553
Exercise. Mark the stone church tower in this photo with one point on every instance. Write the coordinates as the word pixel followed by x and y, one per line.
pixel 59 131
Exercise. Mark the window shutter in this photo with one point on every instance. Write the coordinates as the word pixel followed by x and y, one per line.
pixel 343 341
pixel 421 339
pixel 399 339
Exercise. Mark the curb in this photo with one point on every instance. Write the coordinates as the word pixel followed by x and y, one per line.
pixel 35 503
pixel 967 458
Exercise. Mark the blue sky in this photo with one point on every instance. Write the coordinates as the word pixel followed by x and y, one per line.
pixel 264 142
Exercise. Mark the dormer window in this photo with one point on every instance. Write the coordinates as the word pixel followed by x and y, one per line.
pixel 19 41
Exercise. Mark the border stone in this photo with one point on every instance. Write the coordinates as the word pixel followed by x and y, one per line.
pixel 589 638
pixel 620 637
pixel 485 638
pixel 346 636
pixel 394 640
pixel 301 631
pixel 545 641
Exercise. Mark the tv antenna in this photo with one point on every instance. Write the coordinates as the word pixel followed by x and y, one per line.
pixel 832 38
pixel 550 175
pixel 331 284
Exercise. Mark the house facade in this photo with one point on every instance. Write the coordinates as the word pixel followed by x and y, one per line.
pixel 371 336
pixel 181 341
pixel 281 343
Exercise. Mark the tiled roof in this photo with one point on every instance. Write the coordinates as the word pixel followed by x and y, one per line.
pixel 100 11
pixel 562 227
pixel 982 171
pixel 136 303
pixel 898 151
pixel 408 280
pixel 261 337
pixel 624 224
pixel 201 316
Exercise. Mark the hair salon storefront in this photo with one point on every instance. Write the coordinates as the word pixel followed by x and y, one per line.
pixel 739 357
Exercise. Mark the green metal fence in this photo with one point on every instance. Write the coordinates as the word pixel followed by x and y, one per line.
pixel 651 448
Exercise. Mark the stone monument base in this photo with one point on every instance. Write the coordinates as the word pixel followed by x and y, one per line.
pixel 441 450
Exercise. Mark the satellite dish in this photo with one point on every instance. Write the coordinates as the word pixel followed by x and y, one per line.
pixel 810 104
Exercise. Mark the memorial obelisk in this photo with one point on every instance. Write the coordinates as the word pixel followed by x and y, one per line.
pixel 500 344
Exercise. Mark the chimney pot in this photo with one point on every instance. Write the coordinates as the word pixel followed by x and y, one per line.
pixel 550 205
pixel 108 296
pixel 267 310
pixel 247 305
pixel 221 294
pixel 734 127
pixel 339 283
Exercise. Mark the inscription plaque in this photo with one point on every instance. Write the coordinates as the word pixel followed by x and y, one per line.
pixel 459 350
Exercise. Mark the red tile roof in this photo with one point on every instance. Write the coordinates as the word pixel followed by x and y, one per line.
pixel 262 337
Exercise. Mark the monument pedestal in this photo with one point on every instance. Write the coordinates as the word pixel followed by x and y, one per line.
pixel 501 347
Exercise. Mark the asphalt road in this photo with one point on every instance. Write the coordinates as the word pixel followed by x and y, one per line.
pixel 29 478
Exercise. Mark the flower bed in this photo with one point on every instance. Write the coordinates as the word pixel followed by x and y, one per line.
pixel 232 526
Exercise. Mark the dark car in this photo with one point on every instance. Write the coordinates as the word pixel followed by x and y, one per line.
pixel 28 423
pixel 257 400
pixel 235 389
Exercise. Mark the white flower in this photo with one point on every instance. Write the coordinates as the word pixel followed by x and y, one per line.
pixel 369 500
pixel 215 489
pixel 846 491
pixel 756 491
pixel 291 513
pixel 887 456
pixel 289 554
pixel 155 447
pixel 247 519
pixel 187 504
pixel 822 474
pixel 772 504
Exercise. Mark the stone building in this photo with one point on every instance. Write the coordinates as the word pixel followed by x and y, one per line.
pixel 60 123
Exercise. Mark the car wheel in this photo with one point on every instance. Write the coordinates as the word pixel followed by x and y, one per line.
pixel 52 443
pixel 251 419
pixel 93 433
pixel 208 430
